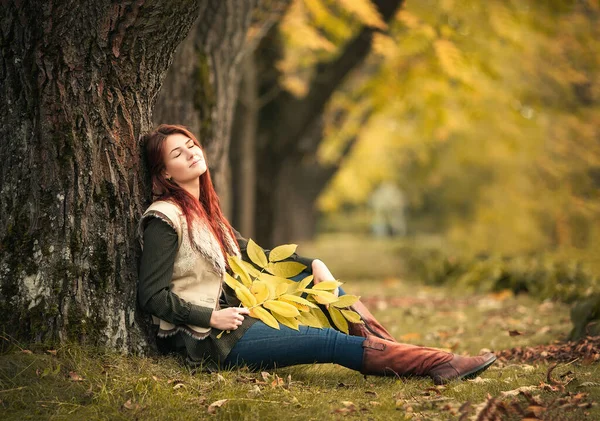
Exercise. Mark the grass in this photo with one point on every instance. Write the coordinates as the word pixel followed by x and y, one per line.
pixel 90 384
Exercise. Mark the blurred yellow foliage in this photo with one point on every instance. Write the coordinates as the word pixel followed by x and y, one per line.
pixel 487 114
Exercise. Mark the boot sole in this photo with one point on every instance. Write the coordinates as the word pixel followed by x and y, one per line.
pixel 468 375
pixel 473 373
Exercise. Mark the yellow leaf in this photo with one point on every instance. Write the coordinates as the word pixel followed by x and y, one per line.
pixel 351 316
pixel 299 306
pixel 345 301
pixel 338 319
pixel 256 254
pixel 282 252
pixel 285 269
pixel 284 309
pixel 297 299
pixel 327 285
pixel 320 316
pixel 260 291
pixel 249 267
pixel 309 319
pixel 236 265
pixel 304 282
pixel 287 321
pixel 322 297
pixel 245 296
pixel 266 317
pixel 281 289
pixel 231 281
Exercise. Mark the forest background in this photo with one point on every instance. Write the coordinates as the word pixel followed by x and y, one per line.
pixel 485 114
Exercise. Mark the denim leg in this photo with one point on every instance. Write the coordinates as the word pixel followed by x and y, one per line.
pixel 265 347
pixel 304 274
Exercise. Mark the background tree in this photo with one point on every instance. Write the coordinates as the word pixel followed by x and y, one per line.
pixel 493 137
pixel 300 65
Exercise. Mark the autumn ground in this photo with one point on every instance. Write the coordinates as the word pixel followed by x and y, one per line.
pixel 77 383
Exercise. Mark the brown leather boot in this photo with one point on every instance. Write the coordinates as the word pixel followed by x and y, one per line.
pixel 383 357
pixel 370 327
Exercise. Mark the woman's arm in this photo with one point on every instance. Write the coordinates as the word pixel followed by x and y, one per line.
pixel 243 242
pixel 156 272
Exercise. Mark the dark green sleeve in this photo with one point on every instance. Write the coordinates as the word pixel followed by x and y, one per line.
pixel 155 274
pixel 243 243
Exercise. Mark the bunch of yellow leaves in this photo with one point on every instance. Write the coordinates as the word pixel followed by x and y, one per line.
pixel 273 298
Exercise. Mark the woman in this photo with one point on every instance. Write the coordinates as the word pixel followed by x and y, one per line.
pixel 185 240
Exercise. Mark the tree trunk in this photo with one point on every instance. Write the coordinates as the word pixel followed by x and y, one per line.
pixel 79 79
pixel 289 136
pixel 243 151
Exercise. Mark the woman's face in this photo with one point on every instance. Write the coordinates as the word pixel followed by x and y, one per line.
pixel 184 160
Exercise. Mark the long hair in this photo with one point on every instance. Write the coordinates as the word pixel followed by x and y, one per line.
pixel 206 208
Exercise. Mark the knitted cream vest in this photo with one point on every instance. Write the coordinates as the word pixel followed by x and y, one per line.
pixel 199 268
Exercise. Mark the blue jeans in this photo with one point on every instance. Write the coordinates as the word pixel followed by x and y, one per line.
pixel 265 347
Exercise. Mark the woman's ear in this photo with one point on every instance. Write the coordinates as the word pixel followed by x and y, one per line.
pixel 166 175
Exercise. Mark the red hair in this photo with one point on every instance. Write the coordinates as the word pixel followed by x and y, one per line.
pixel 206 208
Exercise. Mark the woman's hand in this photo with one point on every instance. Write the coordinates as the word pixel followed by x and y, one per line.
pixel 321 273
pixel 228 318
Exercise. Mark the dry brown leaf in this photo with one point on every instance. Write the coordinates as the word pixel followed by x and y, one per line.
pixel 26 351
pixel 516 392
pixel 131 405
pixel 277 381
pixel 536 410
pixel 254 391
pixel 212 408
pixel 52 351
pixel 74 377
pixel 265 375
pixel 514 333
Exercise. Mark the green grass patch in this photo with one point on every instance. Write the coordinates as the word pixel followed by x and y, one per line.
pixel 84 383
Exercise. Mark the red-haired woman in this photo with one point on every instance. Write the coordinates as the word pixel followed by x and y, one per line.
pixel 185 240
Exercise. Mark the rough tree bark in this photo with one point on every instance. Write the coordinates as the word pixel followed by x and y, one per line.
pixel 289 135
pixel 79 80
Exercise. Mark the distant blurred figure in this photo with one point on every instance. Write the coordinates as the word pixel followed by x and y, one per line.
pixel 388 205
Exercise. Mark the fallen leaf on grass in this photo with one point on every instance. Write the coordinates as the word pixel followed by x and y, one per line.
pixel 277 381
pixel 74 377
pixel 589 384
pixel 26 351
pixel 212 408
pixel 514 333
pixel 481 380
pixel 536 410
pixel 131 406
pixel 515 392
pixel 265 375
pixel 371 392
pixel 348 407
pixel 178 386
pixel 254 391
pixel 52 351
